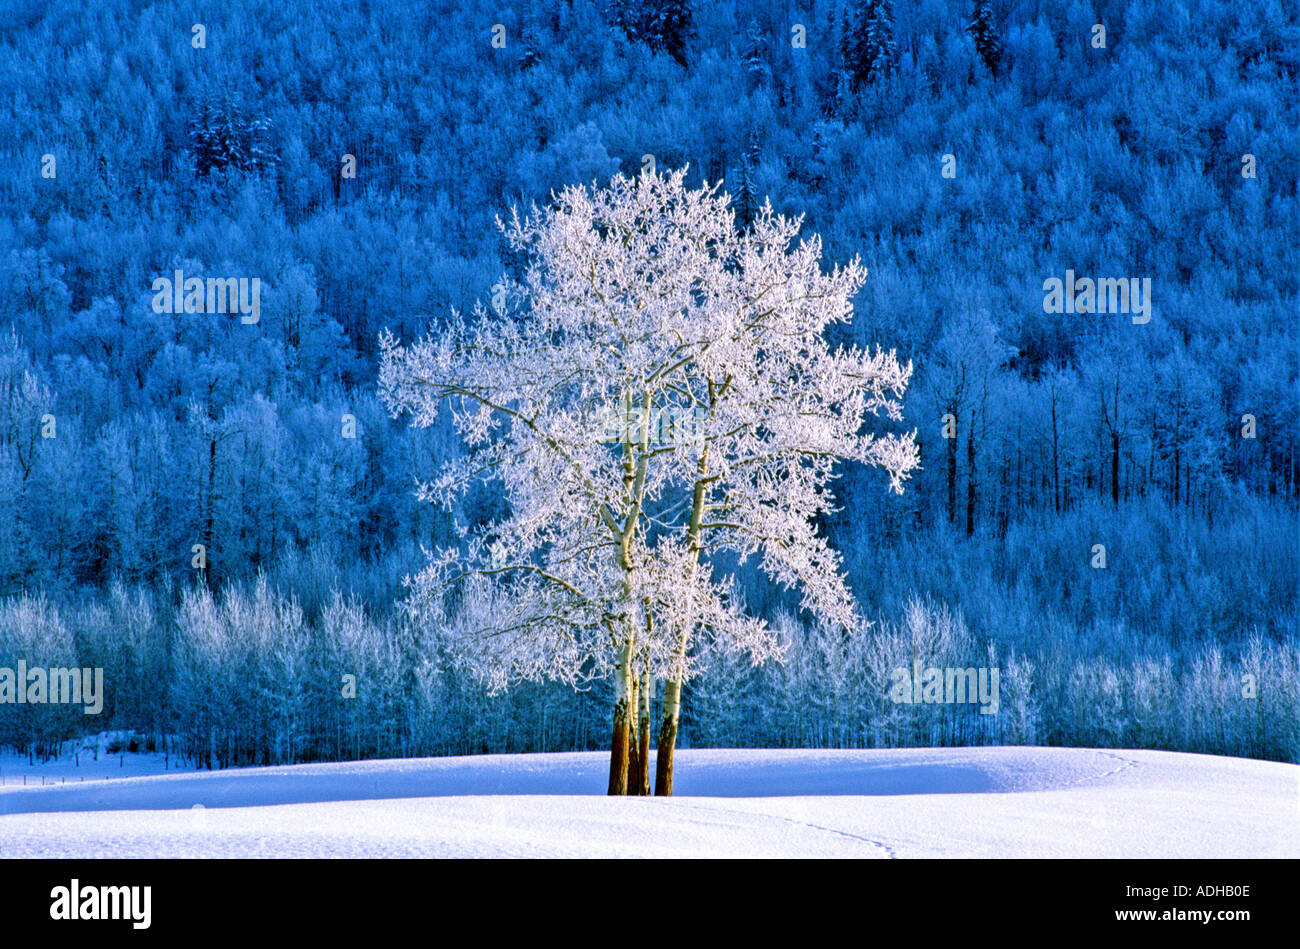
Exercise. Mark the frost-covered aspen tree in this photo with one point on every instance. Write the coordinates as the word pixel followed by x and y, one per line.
pixel 657 391
pixel 780 411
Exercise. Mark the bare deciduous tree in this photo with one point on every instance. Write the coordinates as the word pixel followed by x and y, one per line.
pixel 656 391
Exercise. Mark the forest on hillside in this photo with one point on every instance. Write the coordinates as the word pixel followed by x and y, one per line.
pixel 221 513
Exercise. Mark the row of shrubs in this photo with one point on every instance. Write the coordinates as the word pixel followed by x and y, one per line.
pixel 251 677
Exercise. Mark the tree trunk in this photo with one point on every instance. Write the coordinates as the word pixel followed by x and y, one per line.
pixel 618 747
pixel 951 451
pixel 668 738
pixel 621 750
pixel 1056 459
pixel 673 685
pixel 643 759
pixel 970 478
pixel 1114 467
pixel 209 520
pixel 634 764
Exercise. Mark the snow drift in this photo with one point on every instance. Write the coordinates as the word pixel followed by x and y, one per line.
pixel 951 802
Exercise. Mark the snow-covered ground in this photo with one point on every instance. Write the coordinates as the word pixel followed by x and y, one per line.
pixel 949 802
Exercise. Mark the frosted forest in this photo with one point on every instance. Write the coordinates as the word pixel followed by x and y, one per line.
pixel 296 529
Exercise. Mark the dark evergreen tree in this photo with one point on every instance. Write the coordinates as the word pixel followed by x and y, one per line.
pixel 627 16
pixel 531 54
pixel 671 29
pixel 664 27
pixel 224 136
pixel 747 199
pixel 754 56
pixel 987 43
pixel 868 50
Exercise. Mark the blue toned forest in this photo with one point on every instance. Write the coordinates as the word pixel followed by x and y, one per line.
pixel 1107 508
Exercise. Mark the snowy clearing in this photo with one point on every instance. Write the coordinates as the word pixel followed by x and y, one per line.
pixel 950 802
